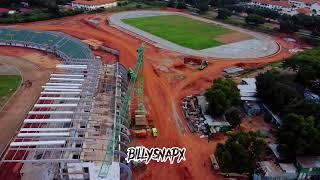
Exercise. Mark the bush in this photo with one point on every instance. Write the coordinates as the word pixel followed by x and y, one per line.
pixel 254 19
pixel 233 116
pixel 37 15
pixel 223 14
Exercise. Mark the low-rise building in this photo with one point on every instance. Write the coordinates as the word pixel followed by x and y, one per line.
pixel 217 125
pixel 270 170
pixel 4 11
pixel 290 170
pixel 312 97
pixel 248 89
pixel 290 7
pixel 90 5
pixel 252 108
pixel 232 71
pixel 308 167
pixel 275 119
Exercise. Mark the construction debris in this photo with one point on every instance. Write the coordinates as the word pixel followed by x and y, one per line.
pixel 193 114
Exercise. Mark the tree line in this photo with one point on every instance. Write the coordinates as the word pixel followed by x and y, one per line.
pixel 299 133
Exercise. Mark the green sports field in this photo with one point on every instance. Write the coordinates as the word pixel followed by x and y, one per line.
pixel 8 85
pixel 181 30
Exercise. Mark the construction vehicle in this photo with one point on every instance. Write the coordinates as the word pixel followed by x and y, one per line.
pixel 155 132
pixel 141 133
pixel 203 65
pixel 130 73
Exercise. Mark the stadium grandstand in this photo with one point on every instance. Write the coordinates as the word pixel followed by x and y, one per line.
pixel 63 45
pixel 70 131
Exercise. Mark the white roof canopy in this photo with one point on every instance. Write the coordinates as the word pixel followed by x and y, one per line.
pixel 59 98
pixel 50 112
pixel 61 87
pixel 55 105
pixel 58 134
pixel 63 66
pixel 67 75
pixel 65 79
pixel 47 120
pixel 45 129
pixel 60 93
pixel 70 90
pixel 36 143
pixel 63 84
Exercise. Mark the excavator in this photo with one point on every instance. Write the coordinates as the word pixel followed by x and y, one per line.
pixel 203 65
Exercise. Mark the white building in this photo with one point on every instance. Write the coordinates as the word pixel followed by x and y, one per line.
pixel 315 8
pixel 93 4
pixel 248 89
pixel 290 7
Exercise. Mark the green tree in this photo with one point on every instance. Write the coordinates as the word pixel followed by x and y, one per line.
pixel 181 4
pixel 223 3
pixel 223 14
pixel 203 6
pixel 277 90
pixel 254 19
pixel 298 136
pixel 240 152
pixel 233 116
pixel 266 13
pixel 307 64
pixel 221 96
pixel 171 3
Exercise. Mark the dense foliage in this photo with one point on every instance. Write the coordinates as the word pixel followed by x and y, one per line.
pixel 233 116
pixel 277 90
pixel 299 136
pixel 36 15
pixel 223 14
pixel 300 130
pixel 300 21
pixel 51 4
pixel 254 19
pixel 223 3
pixel 263 12
pixel 241 152
pixel 307 64
pixel 221 96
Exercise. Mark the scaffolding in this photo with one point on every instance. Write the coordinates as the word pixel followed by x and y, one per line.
pixel 121 121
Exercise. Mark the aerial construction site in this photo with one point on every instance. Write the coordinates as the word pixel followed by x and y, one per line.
pixel 104 86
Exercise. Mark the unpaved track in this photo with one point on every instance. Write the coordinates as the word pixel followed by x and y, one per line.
pixel 161 92
pixel 16 108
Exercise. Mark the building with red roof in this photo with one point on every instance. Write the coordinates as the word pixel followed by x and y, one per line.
pixel 4 11
pixel 90 5
pixel 290 7
pixel 305 11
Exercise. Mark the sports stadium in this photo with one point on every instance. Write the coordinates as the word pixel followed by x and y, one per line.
pixel 187 34
pixel 71 132
pixel 77 124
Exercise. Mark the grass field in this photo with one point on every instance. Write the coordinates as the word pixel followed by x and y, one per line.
pixel 181 30
pixel 8 85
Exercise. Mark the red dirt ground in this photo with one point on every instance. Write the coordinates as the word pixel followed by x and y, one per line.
pixel 163 91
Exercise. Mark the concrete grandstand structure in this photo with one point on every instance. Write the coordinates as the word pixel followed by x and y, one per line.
pixel 69 132
pixel 93 4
